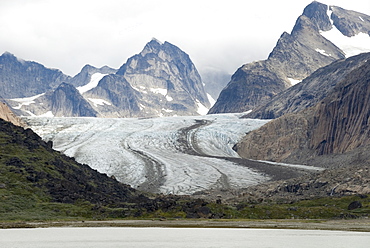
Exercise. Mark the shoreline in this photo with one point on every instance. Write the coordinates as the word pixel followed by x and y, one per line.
pixel 357 225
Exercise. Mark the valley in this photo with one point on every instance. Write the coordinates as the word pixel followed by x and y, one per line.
pixel 172 155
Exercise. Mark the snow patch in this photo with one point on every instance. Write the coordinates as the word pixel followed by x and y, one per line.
pixel 26 100
pixel 298 166
pixel 329 12
pixel 323 52
pixel 211 100
pixel 294 81
pixel 202 110
pixel 361 19
pixel 158 41
pixel 351 46
pixel 47 114
pixel 97 102
pixel 167 110
pixel 170 99
pixel 159 91
pixel 94 81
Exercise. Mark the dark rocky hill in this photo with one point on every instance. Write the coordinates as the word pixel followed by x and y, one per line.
pixel 295 57
pixel 337 125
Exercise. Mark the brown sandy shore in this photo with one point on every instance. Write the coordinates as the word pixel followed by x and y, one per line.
pixel 360 225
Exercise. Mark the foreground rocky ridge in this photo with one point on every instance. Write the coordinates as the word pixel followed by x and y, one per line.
pixel 295 56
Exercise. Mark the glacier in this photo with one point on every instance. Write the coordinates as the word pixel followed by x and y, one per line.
pixel 170 155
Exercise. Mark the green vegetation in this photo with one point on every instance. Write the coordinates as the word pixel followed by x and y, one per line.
pixel 322 208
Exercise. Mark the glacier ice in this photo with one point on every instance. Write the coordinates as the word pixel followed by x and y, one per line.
pixel 152 154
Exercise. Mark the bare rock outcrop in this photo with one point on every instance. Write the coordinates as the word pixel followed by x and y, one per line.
pixel 338 124
pixel 8 115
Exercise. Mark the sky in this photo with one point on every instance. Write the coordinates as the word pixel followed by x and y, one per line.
pixel 221 35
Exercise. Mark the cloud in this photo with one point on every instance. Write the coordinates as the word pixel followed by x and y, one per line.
pixel 67 34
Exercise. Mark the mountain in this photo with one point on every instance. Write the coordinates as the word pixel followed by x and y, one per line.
pixel 89 76
pixel 114 97
pixel 310 91
pixel 19 78
pixel 337 125
pixel 164 80
pixel 321 35
pixel 159 81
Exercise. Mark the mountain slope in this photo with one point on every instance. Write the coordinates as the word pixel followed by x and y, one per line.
pixel 114 97
pixel 339 124
pixel 88 74
pixel 310 91
pixel 311 45
pixel 21 78
pixel 166 79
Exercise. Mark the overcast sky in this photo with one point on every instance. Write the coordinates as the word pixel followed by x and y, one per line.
pixel 67 34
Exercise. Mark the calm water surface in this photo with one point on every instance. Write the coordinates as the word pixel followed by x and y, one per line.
pixel 179 238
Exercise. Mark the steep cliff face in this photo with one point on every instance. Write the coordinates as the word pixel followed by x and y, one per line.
pixel 337 125
pixel 309 47
pixel 67 101
pixel 114 97
pixel 311 91
pixel 342 121
pixel 21 78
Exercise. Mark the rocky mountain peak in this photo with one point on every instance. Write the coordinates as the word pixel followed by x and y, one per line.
pixel 154 46
pixel 317 13
pixel 165 77
pixel 313 43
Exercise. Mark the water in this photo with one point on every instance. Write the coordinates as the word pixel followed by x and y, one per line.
pixel 179 238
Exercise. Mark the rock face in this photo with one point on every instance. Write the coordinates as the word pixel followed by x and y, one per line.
pixel 338 124
pixel 311 91
pixel 67 101
pixel 19 78
pixel 159 81
pixel 295 56
pixel 165 79
pixel 7 115
pixel 64 101
pixel 114 97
